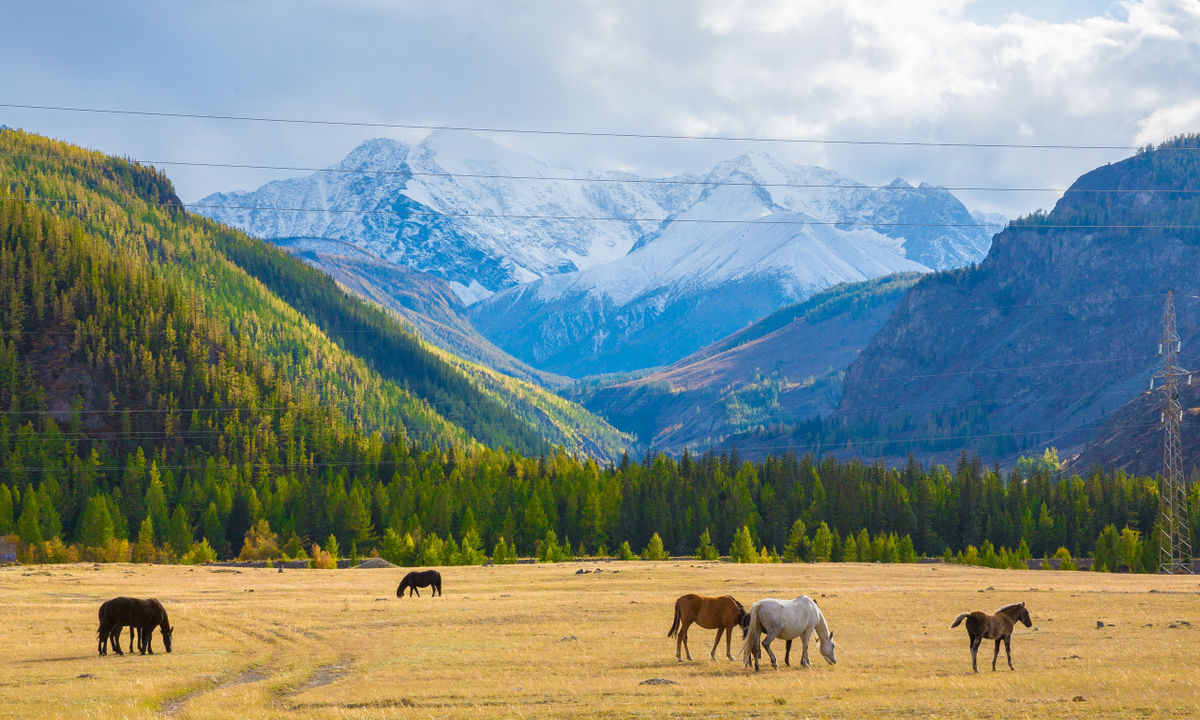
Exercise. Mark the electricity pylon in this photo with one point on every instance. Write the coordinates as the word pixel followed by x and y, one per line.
pixel 1175 545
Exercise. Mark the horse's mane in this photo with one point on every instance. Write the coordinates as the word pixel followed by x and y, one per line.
pixel 1011 606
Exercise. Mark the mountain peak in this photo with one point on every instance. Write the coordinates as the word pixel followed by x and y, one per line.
pixel 379 153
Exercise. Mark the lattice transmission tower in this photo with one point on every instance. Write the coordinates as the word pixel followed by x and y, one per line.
pixel 1175 545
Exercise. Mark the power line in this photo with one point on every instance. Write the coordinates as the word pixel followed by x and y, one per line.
pixel 639 180
pixel 603 218
pixel 570 133
pixel 833 445
pixel 850 443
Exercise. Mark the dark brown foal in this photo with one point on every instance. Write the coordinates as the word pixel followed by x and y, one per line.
pixel 996 627
pixel 723 613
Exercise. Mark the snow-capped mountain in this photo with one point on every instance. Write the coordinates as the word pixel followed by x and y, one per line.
pixel 440 208
pixel 759 237
pixel 583 272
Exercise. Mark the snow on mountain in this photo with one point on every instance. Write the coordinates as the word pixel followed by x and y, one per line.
pixel 733 257
pixel 585 272
pixel 440 208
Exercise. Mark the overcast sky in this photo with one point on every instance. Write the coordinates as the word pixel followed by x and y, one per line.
pixel 1058 71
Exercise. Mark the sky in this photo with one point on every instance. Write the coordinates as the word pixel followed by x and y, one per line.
pixel 1050 72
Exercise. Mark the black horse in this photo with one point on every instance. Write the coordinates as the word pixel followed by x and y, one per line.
pixel 142 615
pixel 423 578
pixel 108 619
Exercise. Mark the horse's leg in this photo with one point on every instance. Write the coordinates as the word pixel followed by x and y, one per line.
pixel 974 651
pixel 131 628
pixel 995 654
pixel 804 638
pixel 1008 651
pixel 767 646
pixel 683 632
pixel 787 653
pixel 728 638
pixel 679 642
pixel 716 642
pixel 114 636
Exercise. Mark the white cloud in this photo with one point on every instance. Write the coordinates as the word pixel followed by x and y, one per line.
pixel 942 70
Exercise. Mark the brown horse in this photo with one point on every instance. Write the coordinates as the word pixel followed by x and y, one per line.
pixel 723 613
pixel 996 627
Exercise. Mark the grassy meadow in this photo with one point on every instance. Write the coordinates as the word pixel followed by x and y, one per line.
pixel 540 641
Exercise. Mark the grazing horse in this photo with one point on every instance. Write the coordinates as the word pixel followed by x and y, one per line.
pixel 142 615
pixel 109 629
pixel 723 613
pixel 787 619
pixel 996 627
pixel 422 578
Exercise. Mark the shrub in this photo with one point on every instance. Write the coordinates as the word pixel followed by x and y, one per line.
pixel 200 553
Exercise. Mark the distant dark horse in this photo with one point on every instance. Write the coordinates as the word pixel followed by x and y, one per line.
pixel 996 627
pixel 108 613
pixel 142 615
pixel 423 578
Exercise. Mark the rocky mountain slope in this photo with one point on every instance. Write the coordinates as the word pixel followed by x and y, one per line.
pixel 784 368
pixel 1054 331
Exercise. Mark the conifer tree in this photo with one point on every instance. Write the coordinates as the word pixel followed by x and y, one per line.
pixel 823 543
pixel 29 527
pixel 798 547
pixel 144 551
pixel 850 549
pixel 96 527
pixel 654 549
pixel 707 551
pixel 742 550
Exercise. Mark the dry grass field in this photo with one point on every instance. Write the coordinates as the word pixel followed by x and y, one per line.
pixel 534 641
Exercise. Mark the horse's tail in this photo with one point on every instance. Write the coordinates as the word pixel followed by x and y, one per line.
pixel 959 619
pixel 674 625
pixel 750 644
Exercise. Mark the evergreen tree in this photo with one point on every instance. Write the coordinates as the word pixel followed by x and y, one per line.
pixel 144 551
pixel 850 549
pixel 707 551
pixel 6 511
pixel 332 547
pixel 29 527
pixel 798 547
pixel 822 544
pixel 742 550
pixel 1129 551
pixel 96 527
pixel 625 552
pixel 431 550
pixel 179 536
pixel 398 549
pixel 654 549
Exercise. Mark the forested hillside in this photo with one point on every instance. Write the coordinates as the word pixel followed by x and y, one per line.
pixel 161 403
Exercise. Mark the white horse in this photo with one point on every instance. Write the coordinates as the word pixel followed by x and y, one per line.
pixel 787 619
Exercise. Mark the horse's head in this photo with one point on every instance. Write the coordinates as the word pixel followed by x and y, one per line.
pixel 166 633
pixel 1023 616
pixel 829 650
